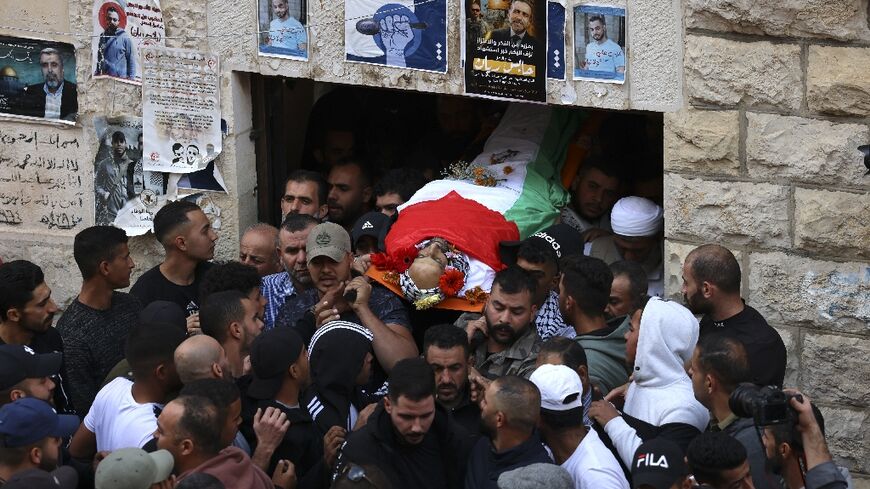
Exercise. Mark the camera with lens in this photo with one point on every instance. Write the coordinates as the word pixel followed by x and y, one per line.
pixel 766 405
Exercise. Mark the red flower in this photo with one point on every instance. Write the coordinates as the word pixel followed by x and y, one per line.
pixel 451 282
pixel 403 258
pixel 381 261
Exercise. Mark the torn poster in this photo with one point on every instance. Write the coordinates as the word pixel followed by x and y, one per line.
pixel 120 30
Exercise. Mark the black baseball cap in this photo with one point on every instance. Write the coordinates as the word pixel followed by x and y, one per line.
pixel 29 420
pixel 272 353
pixel 561 239
pixel 19 362
pixel 164 312
pixel 658 463
pixel 62 478
pixel 373 224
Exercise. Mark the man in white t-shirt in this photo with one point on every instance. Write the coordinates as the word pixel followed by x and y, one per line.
pixel 124 413
pixel 577 449
pixel 285 31
pixel 602 54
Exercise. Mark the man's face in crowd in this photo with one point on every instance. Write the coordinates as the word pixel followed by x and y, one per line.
pixel 292 254
pixel 232 423
pixel 451 372
pixel 520 16
pixel 699 379
pixel 598 31
pixel 411 419
pixel 619 303
pixel 301 198
pixel 50 459
pixel 252 325
pixel 326 273
pixel 545 274
pixel 41 388
pixel 386 204
pixel 508 316
pixel 113 21
pixel 595 194
pixel 120 267
pixel 166 435
pixel 257 249
pixel 37 314
pixel 337 145
pixel 280 8
pixel 347 194
pixel 631 338
pixel 366 245
pixel 119 146
pixel 635 248
pixel 199 237
pixel 52 70
pixel 736 478
pixel 693 296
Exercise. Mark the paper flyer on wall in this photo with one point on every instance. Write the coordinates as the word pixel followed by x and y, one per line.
pixel 283 28
pixel 181 109
pixel 125 194
pixel 120 30
pixel 400 33
pixel 599 43
pixel 505 49
pixel 556 58
pixel 38 80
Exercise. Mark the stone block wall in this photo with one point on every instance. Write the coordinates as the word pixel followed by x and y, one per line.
pixel 763 159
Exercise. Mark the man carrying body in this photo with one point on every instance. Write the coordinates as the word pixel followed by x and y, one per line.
pixel 285 31
pixel 395 188
pixel 602 54
pixel 350 190
pixel 305 192
pixel 279 287
pixel 593 192
pixel 55 98
pixel 711 286
pixel 110 181
pixel 446 349
pixel 257 249
pixel 115 52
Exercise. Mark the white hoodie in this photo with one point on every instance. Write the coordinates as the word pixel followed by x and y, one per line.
pixel 661 391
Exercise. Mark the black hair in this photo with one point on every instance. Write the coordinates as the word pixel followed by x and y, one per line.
pixel 119 137
pixel 725 357
pixel 571 352
pixel 219 391
pixel 170 216
pixel 365 173
pixel 717 265
pixel 446 337
pixel 402 181
pixel 177 146
pixel 199 421
pixel 712 453
pixel 200 480
pixel 514 280
pixel 95 245
pixel 302 176
pixel 520 400
pixel 534 251
pixel 412 378
pixel 588 281
pixel 607 167
pixel 638 283
pixel 297 222
pixel 219 310
pixel 18 280
pixel 231 275
pixel 150 344
pixel 561 420
pixel 599 18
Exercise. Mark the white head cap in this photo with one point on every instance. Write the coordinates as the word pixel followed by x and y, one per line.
pixel 635 217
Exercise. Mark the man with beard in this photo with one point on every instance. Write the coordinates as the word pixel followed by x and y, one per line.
pixel 628 289
pixel 593 192
pixel 234 321
pixel 115 51
pixel 26 314
pixel 446 349
pixel 55 98
pixel 279 287
pixel 602 54
pixel 32 434
pixel 517 37
pixel 350 190
pixel 24 373
pixel 511 341
pixel 711 287
pixel 110 181
pixel 305 192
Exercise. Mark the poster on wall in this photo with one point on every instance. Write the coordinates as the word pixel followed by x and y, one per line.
pixel 505 49
pixel 38 80
pixel 125 194
pixel 556 40
pixel 283 31
pixel 402 33
pixel 599 43
pixel 120 30
pixel 181 109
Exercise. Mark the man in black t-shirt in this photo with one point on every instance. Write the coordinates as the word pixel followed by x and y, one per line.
pixel 189 240
pixel 711 286
pixel 26 314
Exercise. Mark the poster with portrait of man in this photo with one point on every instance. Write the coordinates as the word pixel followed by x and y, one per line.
pixel 120 29
pixel 599 44
pixel 38 80
pixel 505 49
pixel 283 28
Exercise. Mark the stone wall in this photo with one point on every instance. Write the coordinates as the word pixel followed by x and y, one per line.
pixel 763 159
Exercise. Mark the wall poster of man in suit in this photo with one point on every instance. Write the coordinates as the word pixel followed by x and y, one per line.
pixel 505 55
pixel 38 79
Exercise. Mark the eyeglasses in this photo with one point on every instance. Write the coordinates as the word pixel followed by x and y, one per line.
pixel 356 473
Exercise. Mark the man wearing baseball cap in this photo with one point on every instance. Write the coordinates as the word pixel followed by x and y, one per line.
pixel 368 233
pixel 30 436
pixel 25 373
pixel 134 468
pixel 577 449
pixel 659 464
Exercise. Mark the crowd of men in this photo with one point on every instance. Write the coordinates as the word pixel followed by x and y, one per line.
pixel 289 368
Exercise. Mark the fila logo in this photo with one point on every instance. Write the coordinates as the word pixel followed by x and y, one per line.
pixel 368 225
pixel 649 460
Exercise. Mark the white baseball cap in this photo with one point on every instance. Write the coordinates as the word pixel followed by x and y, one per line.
pixel 561 388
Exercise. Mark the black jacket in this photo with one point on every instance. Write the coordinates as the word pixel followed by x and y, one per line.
pixel 35 100
pixel 486 465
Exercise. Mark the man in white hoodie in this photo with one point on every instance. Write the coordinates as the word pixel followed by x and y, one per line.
pixel 659 401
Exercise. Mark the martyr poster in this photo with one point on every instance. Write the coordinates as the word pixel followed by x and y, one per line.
pixel 38 80
pixel 599 43
pixel 120 30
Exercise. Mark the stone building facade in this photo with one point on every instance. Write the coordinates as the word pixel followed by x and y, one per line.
pixel 766 102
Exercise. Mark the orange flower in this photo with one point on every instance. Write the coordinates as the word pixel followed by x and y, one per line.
pixel 508 170
pixel 478 172
pixel 451 282
pixel 476 295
